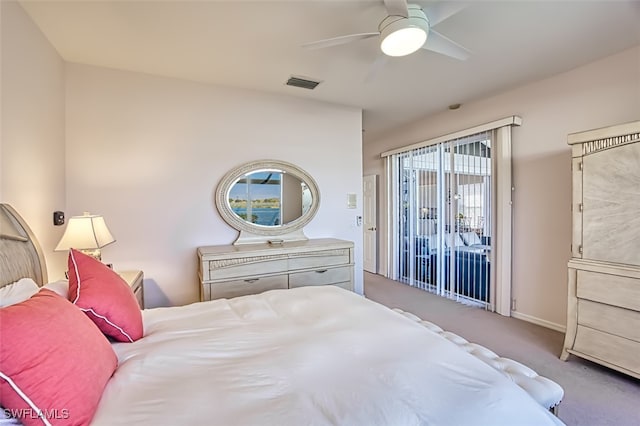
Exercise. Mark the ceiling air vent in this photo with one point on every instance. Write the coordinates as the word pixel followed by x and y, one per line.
pixel 305 83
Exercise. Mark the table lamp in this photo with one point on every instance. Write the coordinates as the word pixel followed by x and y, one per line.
pixel 87 233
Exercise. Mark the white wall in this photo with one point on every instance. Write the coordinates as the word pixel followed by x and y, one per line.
pixel 32 145
pixel 599 94
pixel 147 153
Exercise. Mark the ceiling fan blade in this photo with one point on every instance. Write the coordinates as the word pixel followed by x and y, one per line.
pixel 375 68
pixel 438 43
pixel 443 10
pixel 320 44
pixel 396 7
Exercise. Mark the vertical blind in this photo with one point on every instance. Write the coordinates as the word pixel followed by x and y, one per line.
pixel 443 217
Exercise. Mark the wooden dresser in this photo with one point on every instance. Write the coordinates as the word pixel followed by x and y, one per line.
pixel 603 313
pixel 236 270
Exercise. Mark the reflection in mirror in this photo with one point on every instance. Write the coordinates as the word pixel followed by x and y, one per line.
pixel 269 197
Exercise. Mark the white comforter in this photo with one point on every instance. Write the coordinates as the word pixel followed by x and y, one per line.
pixel 306 356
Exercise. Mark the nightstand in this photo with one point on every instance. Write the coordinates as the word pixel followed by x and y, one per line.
pixel 135 279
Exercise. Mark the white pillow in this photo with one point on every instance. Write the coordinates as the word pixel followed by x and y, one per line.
pixel 60 287
pixel 457 241
pixel 470 238
pixel 18 291
pixel 6 420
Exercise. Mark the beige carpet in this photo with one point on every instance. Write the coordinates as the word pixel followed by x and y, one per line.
pixel 594 395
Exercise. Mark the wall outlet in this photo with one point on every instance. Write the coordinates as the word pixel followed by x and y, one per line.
pixel 513 304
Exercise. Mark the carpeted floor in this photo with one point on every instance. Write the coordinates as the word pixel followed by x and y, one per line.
pixel 594 395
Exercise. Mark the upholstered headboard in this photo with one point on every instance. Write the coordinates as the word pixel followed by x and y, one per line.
pixel 20 252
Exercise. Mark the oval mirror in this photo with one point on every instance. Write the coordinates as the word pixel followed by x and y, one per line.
pixel 268 200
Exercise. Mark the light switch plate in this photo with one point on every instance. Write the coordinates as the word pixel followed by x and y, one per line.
pixel 352 201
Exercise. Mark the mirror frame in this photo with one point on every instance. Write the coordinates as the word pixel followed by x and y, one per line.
pixel 251 232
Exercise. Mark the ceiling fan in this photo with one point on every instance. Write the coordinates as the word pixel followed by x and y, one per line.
pixel 406 29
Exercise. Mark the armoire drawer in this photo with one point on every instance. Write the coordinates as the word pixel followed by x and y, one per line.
pixel 610 319
pixel 610 289
pixel 321 276
pixel 612 349
pixel 243 287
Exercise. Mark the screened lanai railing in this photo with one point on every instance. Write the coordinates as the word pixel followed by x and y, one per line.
pixel 443 217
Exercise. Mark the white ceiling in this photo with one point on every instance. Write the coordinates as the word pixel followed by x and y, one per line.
pixel 256 45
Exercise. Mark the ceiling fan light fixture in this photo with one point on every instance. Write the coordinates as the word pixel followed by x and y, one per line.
pixel 400 36
pixel 403 42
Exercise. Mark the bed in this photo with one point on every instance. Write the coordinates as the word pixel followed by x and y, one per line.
pixel 304 356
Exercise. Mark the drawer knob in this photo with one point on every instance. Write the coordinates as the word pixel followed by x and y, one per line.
pixel 321 271
pixel 251 280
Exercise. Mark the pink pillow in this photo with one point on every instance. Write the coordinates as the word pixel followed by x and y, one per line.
pixel 105 297
pixel 53 360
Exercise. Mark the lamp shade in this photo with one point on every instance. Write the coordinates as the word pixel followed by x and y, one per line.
pixel 87 232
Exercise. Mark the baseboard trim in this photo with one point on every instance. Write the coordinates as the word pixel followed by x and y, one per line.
pixel 539 321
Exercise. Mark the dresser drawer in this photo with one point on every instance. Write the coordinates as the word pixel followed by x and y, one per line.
pixel 243 287
pixel 320 276
pixel 610 289
pixel 243 267
pixel 319 259
pixel 610 319
pixel 608 348
pixel 348 285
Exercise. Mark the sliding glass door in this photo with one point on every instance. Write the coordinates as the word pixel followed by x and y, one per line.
pixel 443 217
